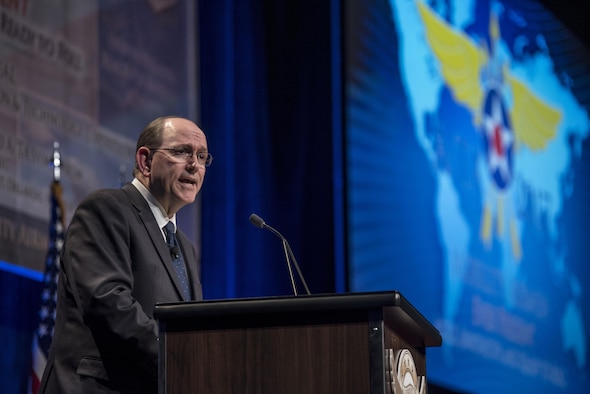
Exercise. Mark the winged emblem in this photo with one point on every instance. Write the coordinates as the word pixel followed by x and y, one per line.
pixel 468 68
pixel 481 81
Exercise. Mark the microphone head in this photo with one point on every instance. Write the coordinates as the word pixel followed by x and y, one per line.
pixel 256 220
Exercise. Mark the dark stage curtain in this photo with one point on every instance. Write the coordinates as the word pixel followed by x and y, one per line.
pixel 266 106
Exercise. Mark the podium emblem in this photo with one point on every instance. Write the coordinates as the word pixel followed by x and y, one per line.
pixel 408 381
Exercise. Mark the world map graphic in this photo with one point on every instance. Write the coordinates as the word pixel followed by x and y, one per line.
pixel 500 129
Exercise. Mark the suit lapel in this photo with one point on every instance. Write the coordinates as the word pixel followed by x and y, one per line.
pixel 147 218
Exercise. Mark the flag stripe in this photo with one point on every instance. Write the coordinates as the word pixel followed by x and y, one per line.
pixel 39 362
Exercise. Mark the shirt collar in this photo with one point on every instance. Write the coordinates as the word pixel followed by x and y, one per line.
pixel 157 209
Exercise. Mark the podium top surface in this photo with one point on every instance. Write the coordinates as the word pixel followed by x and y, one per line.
pixel 394 305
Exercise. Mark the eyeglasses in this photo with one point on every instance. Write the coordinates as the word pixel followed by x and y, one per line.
pixel 184 155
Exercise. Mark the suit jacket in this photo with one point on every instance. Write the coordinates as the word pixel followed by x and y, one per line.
pixel 115 266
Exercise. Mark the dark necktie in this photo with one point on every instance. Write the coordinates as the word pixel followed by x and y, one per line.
pixel 177 260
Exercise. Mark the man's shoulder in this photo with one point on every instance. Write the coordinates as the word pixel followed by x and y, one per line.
pixel 126 189
pixel 105 194
pixel 126 195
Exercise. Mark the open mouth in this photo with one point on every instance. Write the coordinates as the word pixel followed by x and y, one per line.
pixel 188 181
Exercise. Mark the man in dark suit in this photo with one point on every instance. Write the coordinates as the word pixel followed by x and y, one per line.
pixel 116 264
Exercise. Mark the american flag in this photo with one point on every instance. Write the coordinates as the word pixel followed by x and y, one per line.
pixel 44 333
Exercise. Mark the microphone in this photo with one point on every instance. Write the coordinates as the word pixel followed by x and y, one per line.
pixel 175 251
pixel 258 222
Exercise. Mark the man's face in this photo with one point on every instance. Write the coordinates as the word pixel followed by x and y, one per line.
pixel 173 181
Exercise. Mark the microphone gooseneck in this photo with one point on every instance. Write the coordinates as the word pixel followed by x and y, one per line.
pixel 289 256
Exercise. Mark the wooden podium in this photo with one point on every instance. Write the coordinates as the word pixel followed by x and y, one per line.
pixel 333 343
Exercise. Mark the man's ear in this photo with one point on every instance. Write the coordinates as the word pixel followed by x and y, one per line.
pixel 143 158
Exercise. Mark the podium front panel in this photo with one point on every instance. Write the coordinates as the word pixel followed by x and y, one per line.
pixel 354 343
pixel 316 358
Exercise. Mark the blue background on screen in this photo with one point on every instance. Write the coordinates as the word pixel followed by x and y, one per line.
pixel 468 171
